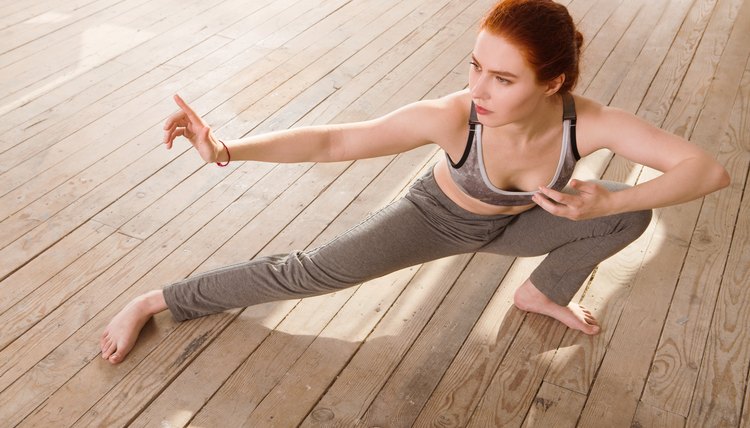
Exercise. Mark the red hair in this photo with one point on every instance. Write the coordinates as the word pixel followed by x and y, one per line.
pixel 545 33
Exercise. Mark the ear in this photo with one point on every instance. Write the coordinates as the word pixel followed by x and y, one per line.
pixel 554 85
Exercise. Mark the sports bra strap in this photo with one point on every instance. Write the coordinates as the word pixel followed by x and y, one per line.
pixel 569 113
pixel 569 108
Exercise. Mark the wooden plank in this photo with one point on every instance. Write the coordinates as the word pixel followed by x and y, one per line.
pixel 49 263
pixel 209 64
pixel 319 365
pixel 76 134
pixel 90 50
pixel 578 9
pixel 284 118
pixel 143 210
pixel 121 181
pixel 576 363
pixel 667 37
pixel 347 399
pixel 622 56
pixel 44 234
pixel 182 346
pixel 442 415
pixel 675 366
pixel 520 371
pixel 50 295
pixel 463 385
pixel 703 64
pixel 24 117
pixel 361 395
pixel 281 348
pixel 118 399
pixel 623 371
pixel 218 411
pixel 717 396
pixel 14 37
pixel 72 39
pixel 168 47
pixel 201 377
pixel 36 139
pixel 35 12
pixel 307 313
pixel 511 391
pixel 19 359
pixel 613 17
pixel 555 406
pixel 649 416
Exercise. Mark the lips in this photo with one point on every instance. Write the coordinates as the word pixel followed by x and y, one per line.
pixel 481 110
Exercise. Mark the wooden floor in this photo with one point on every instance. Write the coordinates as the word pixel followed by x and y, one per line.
pixel 93 211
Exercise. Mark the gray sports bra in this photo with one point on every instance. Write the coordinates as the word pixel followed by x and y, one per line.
pixel 471 176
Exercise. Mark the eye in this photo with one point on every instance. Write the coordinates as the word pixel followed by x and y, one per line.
pixel 474 65
pixel 501 80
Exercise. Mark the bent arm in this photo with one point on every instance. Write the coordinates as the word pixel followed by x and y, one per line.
pixel 409 127
pixel 688 171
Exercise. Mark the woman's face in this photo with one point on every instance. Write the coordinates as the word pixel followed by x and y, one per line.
pixel 502 84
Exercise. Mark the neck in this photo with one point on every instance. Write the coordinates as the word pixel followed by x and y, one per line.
pixel 546 115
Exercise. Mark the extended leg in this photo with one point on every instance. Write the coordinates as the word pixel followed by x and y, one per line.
pixel 410 231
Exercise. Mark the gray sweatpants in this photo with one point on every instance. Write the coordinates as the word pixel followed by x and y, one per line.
pixel 424 225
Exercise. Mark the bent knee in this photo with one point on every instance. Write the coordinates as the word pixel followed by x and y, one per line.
pixel 638 221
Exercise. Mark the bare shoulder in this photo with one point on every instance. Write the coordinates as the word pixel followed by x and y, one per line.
pixel 449 113
pixel 438 120
pixel 596 123
pixel 622 132
pixel 450 119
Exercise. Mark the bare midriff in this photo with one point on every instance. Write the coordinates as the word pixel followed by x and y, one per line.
pixel 451 190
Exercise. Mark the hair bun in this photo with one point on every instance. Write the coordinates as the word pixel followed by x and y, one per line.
pixel 579 41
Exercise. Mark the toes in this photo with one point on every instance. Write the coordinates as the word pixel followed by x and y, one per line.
pixel 111 347
pixel 103 341
pixel 591 320
pixel 115 358
pixel 104 345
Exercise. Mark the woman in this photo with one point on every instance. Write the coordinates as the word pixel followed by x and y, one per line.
pixel 500 190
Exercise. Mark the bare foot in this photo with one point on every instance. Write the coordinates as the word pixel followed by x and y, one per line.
pixel 529 298
pixel 120 335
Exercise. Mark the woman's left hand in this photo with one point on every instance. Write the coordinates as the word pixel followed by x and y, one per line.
pixel 590 201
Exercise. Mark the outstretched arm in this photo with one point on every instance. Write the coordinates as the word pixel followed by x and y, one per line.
pixel 688 171
pixel 406 128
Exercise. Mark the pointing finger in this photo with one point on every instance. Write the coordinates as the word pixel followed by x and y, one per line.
pixel 188 110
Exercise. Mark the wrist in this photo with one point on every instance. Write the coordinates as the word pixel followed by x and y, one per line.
pixel 223 155
pixel 619 201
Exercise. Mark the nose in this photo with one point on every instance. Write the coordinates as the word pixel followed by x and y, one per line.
pixel 479 88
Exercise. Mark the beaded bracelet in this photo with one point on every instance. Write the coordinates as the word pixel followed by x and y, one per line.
pixel 229 157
